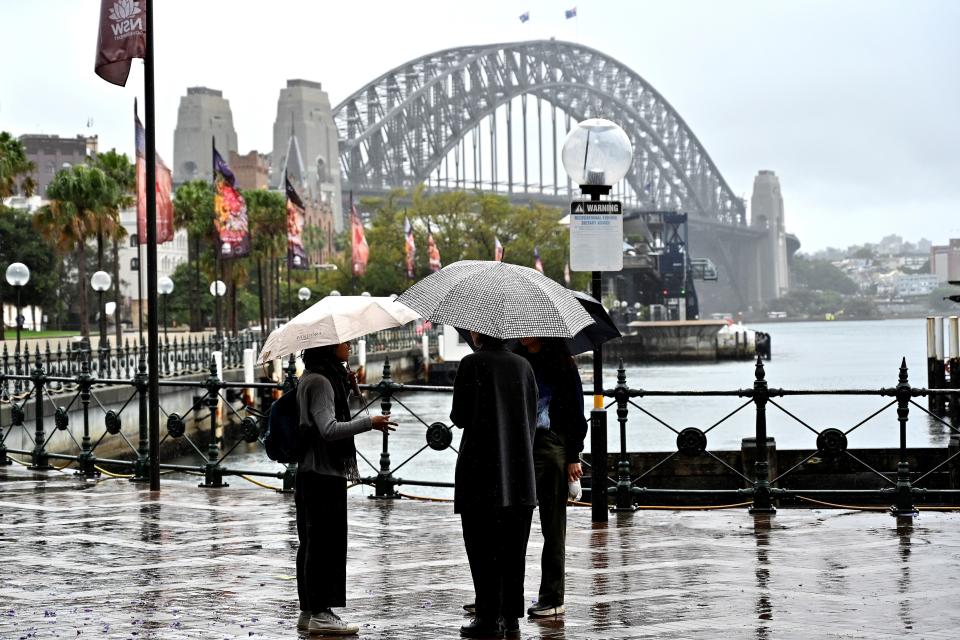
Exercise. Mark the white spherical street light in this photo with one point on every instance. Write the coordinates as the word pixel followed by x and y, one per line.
pixel 597 152
pixel 334 293
pixel 636 306
pixel 164 286
pixel 365 294
pixel 304 294
pixel 100 281
pixel 18 274
pixel 624 304
pixel 218 288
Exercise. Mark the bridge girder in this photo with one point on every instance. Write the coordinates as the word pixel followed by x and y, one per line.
pixel 396 130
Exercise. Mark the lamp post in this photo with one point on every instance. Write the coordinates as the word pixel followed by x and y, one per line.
pixel 335 293
pixel 218 289
pixel 597 155
pixel 303 294
pixel 100 281
pixel 17 276
pixel 164 288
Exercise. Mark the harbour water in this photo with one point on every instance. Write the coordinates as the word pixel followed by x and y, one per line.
pixel 806 355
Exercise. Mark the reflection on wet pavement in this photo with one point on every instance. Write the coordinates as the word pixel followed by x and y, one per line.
pixel 113 561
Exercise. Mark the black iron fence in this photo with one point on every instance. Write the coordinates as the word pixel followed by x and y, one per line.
pixel 216 402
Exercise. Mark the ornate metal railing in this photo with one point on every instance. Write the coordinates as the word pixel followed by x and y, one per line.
pixel 216 402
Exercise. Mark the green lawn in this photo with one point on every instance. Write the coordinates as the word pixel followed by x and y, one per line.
pixel 11 334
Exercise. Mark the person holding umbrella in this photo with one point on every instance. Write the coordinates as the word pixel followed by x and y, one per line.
pixel 561 429
pixel 495 403
pixel 330 460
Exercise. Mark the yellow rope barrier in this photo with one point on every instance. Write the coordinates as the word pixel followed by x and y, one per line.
pixel 112 475
pixel 261 484
pixel 855 507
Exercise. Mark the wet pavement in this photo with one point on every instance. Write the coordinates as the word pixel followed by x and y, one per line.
pixel 111 560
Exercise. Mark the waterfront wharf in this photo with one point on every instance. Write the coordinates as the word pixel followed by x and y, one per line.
pixel 110 559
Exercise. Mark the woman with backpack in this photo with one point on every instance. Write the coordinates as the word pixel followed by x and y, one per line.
pixel 329 461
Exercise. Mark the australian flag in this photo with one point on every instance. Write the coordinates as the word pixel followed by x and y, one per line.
pixel 524 16
pixel 570 13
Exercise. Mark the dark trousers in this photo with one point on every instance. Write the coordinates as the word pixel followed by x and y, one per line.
pixel 496 542
pixel 322 529
pixel 549 459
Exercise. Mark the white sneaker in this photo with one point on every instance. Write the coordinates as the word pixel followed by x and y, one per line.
pixel 303 622
pixel 329 624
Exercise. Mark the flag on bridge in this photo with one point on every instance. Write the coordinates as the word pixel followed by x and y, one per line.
pixel 537 262
pixel 497 249
pixel 164 186
pixel 122 37
pixel 524 16
pixel 229 211
pixel 433 253
pixel 296 219
pixel 571 13
pixel 410 249
pixel 361 252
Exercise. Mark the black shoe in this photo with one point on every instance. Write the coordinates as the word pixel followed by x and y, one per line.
pixel 510 627
pixel 481 629
pixel 470 608
pixel 542 610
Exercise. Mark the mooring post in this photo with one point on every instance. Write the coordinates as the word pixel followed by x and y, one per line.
pixel 931 363
pixel 954 365
pixel 386 484
pixel 904 491
pixel 141 469
pixel 762 503
pixel 941 370
pixel 624 496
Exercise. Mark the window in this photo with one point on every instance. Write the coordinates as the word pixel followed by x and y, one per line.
pixel 134 264
pixel 133 240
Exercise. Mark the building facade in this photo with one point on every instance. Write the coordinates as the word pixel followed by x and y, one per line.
pixel 204 116
pixel 945 261
pixel 51 153
pixel 251 169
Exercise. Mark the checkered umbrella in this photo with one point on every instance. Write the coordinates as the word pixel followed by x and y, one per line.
pixel 497 299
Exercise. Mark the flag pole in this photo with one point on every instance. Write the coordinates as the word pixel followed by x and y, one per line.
pixel 153 340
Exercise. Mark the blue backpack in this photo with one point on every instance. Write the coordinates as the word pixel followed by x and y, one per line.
pixel 283 440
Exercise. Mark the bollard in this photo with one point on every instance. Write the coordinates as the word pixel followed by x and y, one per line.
pixel 248 373
pixel 954 365
pixel 762 502
pixel 931 362
pixel 141 469
pixel 425 346
pixel 385 486
pixel 904 491
pixel 941 377
pixel 86 461
pixel 622 492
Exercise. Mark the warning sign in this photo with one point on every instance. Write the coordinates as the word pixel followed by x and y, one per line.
pixel 596 235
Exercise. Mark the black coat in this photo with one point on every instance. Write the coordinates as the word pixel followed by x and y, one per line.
pixel 566 403
pixel 495 403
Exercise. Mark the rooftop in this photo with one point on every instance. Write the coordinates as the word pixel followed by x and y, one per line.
pixel 219 563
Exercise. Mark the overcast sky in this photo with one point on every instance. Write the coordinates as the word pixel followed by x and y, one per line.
pixel 854 104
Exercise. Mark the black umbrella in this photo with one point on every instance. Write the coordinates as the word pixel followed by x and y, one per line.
pixel 602 330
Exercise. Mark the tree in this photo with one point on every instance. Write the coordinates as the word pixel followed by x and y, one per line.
pixel 15 167
pixel 267 216
pixel 821 275
pixel 79 197
pixel 19 243
pixel 193 211
pixel 118 168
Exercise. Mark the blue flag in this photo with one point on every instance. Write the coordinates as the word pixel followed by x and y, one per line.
pixel 571 13
pixel 524 16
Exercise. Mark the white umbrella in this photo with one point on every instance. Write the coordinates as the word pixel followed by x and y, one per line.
pixel 333 320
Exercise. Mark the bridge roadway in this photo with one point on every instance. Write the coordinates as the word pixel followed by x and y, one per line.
pixel 110 560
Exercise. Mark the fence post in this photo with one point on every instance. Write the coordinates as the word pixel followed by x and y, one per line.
pixel 141 470
pixel 4 460
pixel 86 460
pixel 624 496
pixel 213 473
pixel 762 504
pixel 904 502
pixel 386 484
pixel 40 459
pixel 290 386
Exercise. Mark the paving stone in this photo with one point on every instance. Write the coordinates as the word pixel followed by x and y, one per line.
pixel 84 560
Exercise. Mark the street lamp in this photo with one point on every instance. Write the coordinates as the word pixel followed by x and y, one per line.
pixel 100 281
pixel 165 288
pixel 303 294
pixel 334 293
pixel 365 294
pixel 597 155
pixel 17 276
pixel 218 289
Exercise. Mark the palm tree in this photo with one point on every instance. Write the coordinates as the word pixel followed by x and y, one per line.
pixel 15 168
pixel 193 211
pixel 119 169
pixel 267 211
pixel 79 196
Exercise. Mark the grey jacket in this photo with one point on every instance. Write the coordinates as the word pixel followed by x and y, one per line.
pixel 315 395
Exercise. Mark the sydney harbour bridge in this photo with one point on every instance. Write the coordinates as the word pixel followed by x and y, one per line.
pixel 494 117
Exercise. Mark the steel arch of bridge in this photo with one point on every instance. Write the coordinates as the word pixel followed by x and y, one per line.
pixel 395 131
